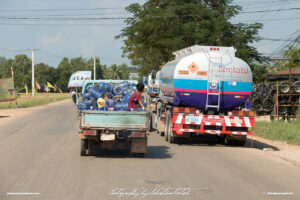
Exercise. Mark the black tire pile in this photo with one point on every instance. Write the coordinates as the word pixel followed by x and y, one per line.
pixel 263 97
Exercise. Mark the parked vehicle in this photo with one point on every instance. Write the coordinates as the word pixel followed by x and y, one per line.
pixel 112 129
pixel 205 90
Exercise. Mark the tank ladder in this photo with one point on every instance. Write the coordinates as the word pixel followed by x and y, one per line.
pixel 214 63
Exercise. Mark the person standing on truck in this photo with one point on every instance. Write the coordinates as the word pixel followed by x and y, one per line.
pixel 135 100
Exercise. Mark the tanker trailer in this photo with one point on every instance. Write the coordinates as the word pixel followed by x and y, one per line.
pixel 205 90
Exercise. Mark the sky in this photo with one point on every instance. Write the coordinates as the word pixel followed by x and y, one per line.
pixel 71 38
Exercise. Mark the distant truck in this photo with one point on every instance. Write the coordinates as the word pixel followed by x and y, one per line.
pixel 113 129
pixel 205 90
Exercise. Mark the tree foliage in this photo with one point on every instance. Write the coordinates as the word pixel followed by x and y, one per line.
pixel 260 73
pixel 59 76
pixel 159 28
pixel 292 53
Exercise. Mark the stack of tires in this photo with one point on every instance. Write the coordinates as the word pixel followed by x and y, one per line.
pixel 264 96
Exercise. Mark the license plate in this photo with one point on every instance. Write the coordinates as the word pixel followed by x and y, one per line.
pixel 108 137
pixel 192 119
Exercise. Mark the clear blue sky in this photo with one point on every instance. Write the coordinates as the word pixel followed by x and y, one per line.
pixel 72 38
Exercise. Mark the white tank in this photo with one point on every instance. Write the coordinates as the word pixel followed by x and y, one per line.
pixel 199 70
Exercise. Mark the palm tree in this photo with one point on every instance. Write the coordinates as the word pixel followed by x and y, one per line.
pixel 113 72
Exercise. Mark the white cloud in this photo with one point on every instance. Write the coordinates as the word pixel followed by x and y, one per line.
pixel 87 48
pixel 35 5
pixel 49 41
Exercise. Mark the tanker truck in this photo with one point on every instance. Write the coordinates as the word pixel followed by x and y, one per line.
pixel 205 90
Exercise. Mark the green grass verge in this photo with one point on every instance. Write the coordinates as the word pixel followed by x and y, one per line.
pixel 38 99
pixel 279 130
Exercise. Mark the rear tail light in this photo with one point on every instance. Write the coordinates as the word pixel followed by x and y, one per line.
pixel 251 113
pixel 187 110
pixel 89 132
pixel 175 109
pixel 184 110
pixel 241 113
pixel 138 134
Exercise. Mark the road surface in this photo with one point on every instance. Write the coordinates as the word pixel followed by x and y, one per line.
pixel 39 159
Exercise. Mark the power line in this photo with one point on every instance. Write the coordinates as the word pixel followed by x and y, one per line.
pixel 275 10
pixel 39 24
pixel 284 44
pixel 63 9
pixel 273 39
pixel 266 20
pixel 14 50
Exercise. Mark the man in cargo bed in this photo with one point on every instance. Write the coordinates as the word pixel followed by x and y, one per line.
pixel 135 101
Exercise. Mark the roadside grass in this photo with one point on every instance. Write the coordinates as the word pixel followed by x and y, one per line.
pixel 279 130
pixel 38 99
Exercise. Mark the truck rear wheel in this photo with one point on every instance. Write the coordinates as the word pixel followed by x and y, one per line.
pixel 138 155
pixel 166 127
pixel 90 147
pixel 232 142
pixel 83 147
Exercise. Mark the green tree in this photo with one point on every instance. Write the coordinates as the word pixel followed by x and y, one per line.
pixel 64 72
pixel 292 53
pixel 45 73
pixel 112 72
pixel 260 73
pixel 159 28
pixel 124 71
pixel 21 65
pixel 2 60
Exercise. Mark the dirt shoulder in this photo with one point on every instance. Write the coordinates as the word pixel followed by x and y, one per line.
pixel 288 152
pixel 11 114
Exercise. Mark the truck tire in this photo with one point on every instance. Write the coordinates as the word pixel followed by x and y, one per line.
pixel 296 87
pixel 83 147
pixel 268 104
pixel 233 142
pixel 138 155
pixel 90 147
pixel 166 125
pixel 256 104
pixel 239 143
pixel 151 123
pixel 284 87
pixel 168 129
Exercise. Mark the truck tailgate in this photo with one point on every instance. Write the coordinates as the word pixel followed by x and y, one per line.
pixel 114 119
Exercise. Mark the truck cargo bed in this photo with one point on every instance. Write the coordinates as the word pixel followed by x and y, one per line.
pixel 130 120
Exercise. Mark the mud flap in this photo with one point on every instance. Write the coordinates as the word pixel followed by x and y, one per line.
pixel 138 142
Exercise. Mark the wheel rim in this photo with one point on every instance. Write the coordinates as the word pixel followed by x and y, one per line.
pixel 297 89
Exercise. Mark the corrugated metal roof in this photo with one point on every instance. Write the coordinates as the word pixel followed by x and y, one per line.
pixel 285 72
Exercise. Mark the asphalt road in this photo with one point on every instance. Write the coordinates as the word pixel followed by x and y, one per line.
pixel 39 159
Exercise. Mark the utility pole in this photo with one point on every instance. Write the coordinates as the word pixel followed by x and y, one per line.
pixel 94 68
pixel 32 78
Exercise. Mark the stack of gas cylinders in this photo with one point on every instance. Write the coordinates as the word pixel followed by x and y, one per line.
pixel 106 96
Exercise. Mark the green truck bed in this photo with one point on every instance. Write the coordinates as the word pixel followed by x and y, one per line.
pixel 130 120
